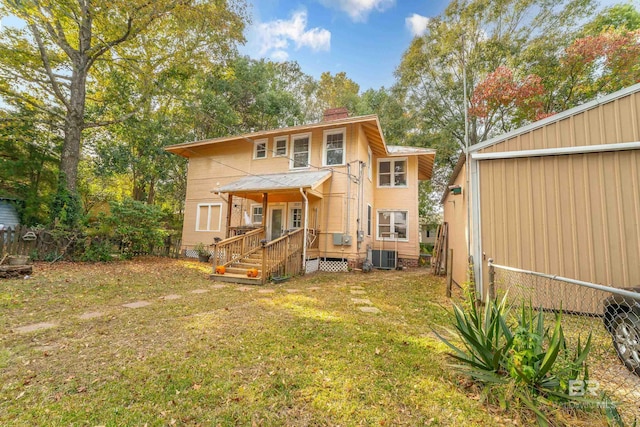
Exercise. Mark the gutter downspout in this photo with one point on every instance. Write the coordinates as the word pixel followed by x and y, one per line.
pixel 306 225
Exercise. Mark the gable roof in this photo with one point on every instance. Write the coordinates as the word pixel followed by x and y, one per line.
pixel 370 126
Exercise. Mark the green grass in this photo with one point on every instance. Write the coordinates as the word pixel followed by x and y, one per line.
pixel 227 357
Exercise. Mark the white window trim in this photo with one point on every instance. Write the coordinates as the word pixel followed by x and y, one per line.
pixel 386 239
pixel 291 207
pixel 256 205
pixel 370 165
pixel 336 131
pixel 275 146
pixel 392 183
pixel 292 157
pixel 369 220
pixel 210 205
pixel 255 149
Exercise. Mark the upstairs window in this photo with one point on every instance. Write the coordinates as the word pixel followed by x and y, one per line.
pixel 392 173
pixel 370 164
pixel 333 152
pixel 280 147
pixel 260 149
pixel 301 147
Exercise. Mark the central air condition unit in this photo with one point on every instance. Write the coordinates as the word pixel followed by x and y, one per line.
pixel 384 259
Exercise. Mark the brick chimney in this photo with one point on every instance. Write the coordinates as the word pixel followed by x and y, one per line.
pixel 332 114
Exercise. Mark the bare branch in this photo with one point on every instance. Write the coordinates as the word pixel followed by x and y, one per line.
pixel 107 122
pixel 45 61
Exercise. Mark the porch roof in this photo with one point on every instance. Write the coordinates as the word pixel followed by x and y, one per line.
pixel 277 182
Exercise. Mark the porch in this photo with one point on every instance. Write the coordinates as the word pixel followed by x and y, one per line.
pixel 250 258
pixel 287 234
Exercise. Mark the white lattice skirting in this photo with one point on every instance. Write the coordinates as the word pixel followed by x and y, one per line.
pixel 191 253
pixel 312 265
pixel 334 266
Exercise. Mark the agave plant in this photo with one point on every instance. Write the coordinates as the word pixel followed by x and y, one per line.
pixel 531 357
pixel 486 339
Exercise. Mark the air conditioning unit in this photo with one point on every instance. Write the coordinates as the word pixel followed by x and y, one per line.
pixel 384 259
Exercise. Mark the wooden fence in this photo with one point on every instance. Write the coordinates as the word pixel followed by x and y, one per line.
pixel 45 244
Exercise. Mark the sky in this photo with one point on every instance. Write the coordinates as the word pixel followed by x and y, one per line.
pixel 364 38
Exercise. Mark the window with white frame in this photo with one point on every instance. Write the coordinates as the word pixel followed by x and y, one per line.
pixel 260 149
pixel 392 224
pixel 333 149
pixel 295 218
pixel 256 214
pixel 208 217
pixel 369 219
pixel 370 164
pixel 392 172
pixel 280 146
pixel 301 148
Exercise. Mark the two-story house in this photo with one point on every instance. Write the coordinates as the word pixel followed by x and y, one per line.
pixel 328 196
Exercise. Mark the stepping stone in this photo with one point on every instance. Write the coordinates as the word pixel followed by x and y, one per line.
pixel 218 286
pixel 266 291
pixel 137 304
pixel 35 327
pixel 170 297
pixel 314 288
pixel 291 291
pixel 200 291
pixel 357 287
pixel 244 288
pixel 369 309
pixel 358 292
pixel 361 301
pixel 90 315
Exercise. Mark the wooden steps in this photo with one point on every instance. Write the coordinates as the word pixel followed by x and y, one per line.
pixel 236 278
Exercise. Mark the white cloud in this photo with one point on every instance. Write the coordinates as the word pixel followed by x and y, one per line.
pixel 417 24
pixel 359 10
pixel 274 37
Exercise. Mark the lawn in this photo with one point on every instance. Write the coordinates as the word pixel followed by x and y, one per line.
pixel 297 353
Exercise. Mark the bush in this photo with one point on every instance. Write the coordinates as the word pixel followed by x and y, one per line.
pixel 136 224
pixel 534 364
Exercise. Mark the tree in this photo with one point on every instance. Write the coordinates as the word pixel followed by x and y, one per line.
pixel 337 91
pixel 474 37
pixel 48 64
pixel 28 162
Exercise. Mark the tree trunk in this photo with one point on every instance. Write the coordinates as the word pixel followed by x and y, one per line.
pixel 74 123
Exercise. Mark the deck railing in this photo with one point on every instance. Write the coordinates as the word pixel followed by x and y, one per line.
pixel 229 250
pixel 283 256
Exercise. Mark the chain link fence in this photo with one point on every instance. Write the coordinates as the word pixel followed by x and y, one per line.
pixel 611 315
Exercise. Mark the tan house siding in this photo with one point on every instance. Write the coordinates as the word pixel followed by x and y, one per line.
pixel 455 215
pixel 577 216
pixel 573 213
pixel 339 204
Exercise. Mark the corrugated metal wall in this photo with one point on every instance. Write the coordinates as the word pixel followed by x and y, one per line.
pixel 574 215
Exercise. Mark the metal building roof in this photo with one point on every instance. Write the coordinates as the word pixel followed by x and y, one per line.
pixel 277 182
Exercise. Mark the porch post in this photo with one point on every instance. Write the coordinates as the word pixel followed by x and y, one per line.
pixel 305 224
pixel 265 197
pixel 229 207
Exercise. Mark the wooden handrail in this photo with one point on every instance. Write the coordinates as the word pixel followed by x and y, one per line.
pixel 288 235
pixel 234 248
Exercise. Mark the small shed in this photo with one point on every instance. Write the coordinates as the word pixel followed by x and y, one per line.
pixel 560 196
pixel 8 213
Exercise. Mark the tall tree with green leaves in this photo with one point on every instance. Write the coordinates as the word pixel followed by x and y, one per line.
pixel 48 64
pixel 477 37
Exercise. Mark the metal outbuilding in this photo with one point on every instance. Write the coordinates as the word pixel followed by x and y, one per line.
pixel 560 196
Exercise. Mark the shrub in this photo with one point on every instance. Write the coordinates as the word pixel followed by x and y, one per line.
pixel 533 363
pixel 136 224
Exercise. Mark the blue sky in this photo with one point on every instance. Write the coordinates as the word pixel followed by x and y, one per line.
pixel 364 38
